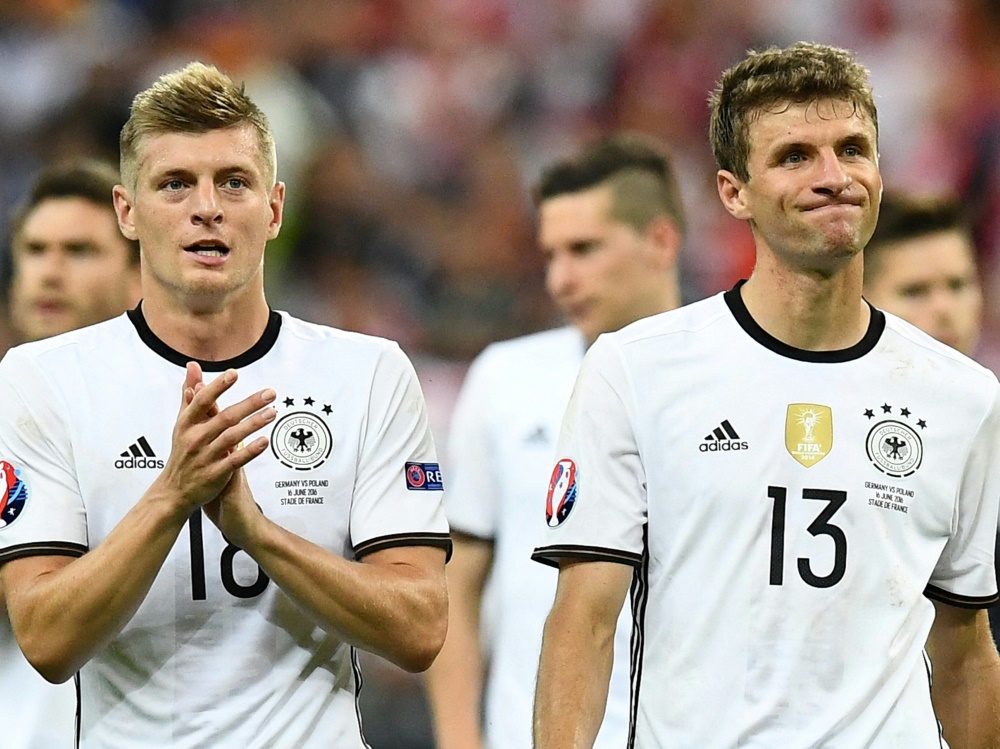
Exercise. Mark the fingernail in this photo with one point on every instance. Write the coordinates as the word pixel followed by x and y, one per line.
pixel 268 395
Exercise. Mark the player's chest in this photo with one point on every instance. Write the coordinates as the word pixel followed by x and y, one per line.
pixel 304 479
pixel 884 453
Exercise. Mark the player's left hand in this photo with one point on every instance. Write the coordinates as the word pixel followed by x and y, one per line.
pixel 235 512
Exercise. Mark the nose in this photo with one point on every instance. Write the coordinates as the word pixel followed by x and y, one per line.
pixel 832 177
pixel 942 303
pixel 559 276
pixel 51 266
pixel 205 205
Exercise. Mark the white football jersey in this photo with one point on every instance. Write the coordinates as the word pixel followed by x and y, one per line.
pixel 790 514
pixel 43 714
pixel 500 451
pixel 217 656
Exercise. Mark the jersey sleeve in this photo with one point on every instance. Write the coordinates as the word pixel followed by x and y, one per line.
pixel 472 501
pixel 41 510
pixel 398 490
pixel 596 503
pixel 965 575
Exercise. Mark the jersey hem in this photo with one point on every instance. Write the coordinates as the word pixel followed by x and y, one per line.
pixel 45 549
pixel 963 602
pixel 438 540
pixel 553 555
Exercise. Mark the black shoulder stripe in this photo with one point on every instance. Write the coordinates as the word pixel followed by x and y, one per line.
pixel 963 602
pixel 551 555
pixel 439 540
pixel 46 549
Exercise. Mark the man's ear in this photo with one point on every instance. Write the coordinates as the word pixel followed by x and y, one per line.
pixel 277 203
pixel 123 210
pixel 733 195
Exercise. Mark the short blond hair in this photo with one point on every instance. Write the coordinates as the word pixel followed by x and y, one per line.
pixel 195 99
pixel 772 78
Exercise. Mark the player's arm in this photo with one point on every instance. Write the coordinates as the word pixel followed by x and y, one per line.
pixel 455 681
pixel 394 602
pixel 577 652
pixel 63 609
pixel 966 677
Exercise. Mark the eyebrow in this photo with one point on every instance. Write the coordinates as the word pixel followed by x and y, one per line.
pixel 182 172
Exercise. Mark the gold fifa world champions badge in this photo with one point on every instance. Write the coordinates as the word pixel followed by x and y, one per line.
pixel 808 432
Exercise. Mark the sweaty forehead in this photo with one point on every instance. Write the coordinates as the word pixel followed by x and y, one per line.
pixel 825 121
pixel 211 151
pixel 812 115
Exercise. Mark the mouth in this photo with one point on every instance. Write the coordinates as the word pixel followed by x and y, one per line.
pixel 834 205
pixel 49 307
pixel 208 248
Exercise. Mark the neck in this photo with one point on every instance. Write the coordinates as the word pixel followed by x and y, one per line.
pixel 806 309
pixel 208 332
pixel 665 300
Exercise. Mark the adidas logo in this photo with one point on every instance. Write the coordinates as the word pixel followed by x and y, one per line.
pixel 723 439
pixel 139 455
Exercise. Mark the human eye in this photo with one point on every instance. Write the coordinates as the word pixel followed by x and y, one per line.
pixel 792 158
pixel 173 184
pixel 914 291
pixel 81 249
pixel 235 183
pixel 584 248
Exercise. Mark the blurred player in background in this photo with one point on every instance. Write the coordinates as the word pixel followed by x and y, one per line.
pixel 610 225
pixel 801 490
pixel 921 265
pixel 71 267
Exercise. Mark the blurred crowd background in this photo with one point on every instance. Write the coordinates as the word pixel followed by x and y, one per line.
pixel 410 133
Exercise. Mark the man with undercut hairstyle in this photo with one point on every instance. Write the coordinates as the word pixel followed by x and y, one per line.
pixel 610 226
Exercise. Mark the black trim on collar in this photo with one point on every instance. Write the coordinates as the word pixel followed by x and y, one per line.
pixel 252 354
pixel 734 300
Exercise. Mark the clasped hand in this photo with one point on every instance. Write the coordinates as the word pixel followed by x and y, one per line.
pixel 210 448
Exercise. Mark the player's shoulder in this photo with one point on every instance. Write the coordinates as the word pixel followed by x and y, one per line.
pixel 311 334
pixel 689 318
pixel 57 350
pixel 533 350
pixel 911 345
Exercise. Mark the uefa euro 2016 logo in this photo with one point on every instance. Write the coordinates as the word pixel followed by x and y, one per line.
pixel 14 496
pixel 562 493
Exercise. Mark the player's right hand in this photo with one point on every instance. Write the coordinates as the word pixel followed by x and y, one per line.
pixel 210 443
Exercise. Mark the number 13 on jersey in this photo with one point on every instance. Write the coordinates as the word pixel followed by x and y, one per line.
pixel 820 526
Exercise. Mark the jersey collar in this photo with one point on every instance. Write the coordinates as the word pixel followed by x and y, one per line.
pixel 876 325
pixel 252 354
